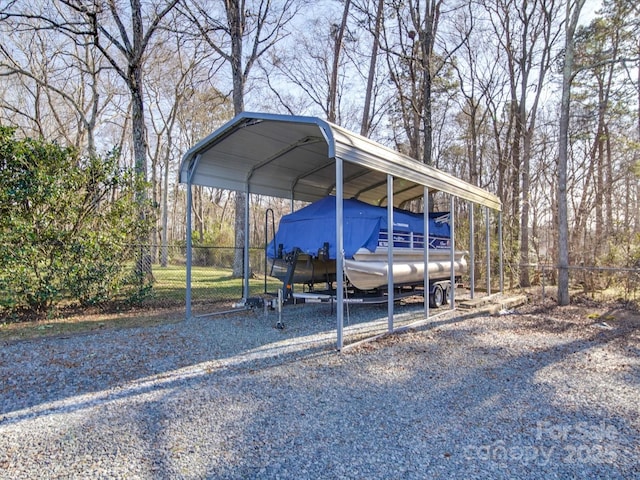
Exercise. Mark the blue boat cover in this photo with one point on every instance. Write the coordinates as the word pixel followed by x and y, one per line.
pixel 310 227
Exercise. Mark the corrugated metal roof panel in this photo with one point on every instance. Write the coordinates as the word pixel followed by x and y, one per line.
pixel 284 156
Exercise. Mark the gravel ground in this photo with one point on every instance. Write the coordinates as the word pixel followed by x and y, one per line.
pixel 534 393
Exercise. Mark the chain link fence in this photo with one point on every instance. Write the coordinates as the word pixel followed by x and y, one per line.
pixel 161 271
pixel 212 279
pixel 600 283
pixel 213 282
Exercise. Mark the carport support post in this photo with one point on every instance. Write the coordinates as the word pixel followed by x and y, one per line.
pixel 189 250
pixel 488 246
pixel 472 252
pixel 390 291
pixel 192 169
pixel 245 273
pixel 453 252
pixel 339 254
pixel 425 249
pixel 501 258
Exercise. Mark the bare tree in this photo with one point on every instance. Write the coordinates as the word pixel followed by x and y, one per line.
pixel 121 32
pixel 125 48
pixel 572 16
pixel 337 33
pixel 596 41
pixel 309 69
pixel 414 64
pixel 241 33
pixel 178 73
pixel 110 34
pixel 365 127
pixel 527 33
pixel 475 79
pixel 427 30
pixel 61 77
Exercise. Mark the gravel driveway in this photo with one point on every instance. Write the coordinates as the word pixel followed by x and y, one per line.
pixel 536 393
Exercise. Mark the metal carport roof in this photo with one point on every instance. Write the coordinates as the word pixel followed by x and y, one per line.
pixel 294 157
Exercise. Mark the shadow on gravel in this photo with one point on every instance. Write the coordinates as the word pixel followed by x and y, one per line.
pixel 233 397
pixel 69 373
pixel 446 406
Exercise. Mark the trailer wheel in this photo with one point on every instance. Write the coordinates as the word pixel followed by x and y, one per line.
pixel 437 297
pixel 447 294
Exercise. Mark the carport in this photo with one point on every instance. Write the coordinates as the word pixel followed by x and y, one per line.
pixel 307 158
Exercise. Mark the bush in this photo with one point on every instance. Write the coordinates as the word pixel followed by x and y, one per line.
pixel 65 223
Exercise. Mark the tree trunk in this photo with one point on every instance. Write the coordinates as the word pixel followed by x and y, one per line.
pixel 426 42
pixel 236 28
pixel 525 281
pixel 164 252
pixel 572 16
pixel 513 246
pixel 337 49
pixel 636 213
pixel 366 122
pixel 143 267
pixel 608 190
pixel 135 85
pixel 598 202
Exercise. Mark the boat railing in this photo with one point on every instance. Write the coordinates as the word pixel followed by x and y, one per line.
pixel 410 240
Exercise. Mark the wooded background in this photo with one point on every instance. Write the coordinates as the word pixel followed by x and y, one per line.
pixel 474 88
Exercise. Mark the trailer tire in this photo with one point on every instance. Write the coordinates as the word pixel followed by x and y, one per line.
pixel 437 297
pixel 447 294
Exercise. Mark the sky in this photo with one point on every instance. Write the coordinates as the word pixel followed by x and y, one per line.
pixel 589 11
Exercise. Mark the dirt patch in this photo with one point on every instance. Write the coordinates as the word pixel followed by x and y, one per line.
pixel 87 323
pixel 620 317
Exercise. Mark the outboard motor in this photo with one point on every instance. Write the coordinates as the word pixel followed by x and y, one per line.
pixel 323 252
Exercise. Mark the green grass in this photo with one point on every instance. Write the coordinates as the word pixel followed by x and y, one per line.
pixel 207 284
pixel 166 305
pixel 89 322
